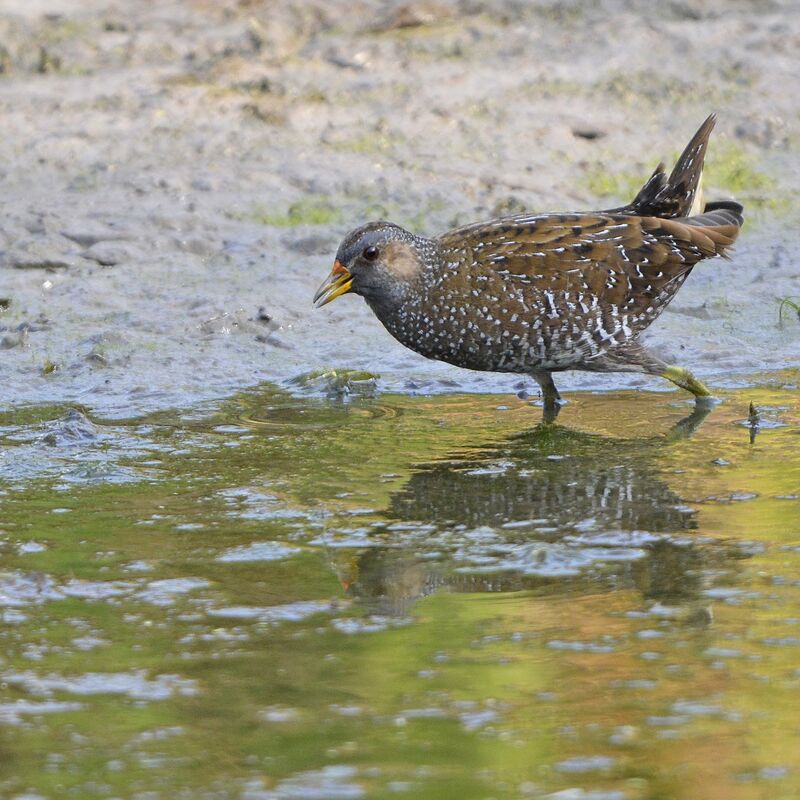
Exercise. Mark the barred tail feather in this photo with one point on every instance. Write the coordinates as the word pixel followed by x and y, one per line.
pixel 674 196
pixel 720 222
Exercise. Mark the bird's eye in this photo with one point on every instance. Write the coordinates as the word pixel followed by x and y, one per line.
pixel 370 253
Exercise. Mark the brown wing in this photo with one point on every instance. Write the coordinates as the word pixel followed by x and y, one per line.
pixel 608 276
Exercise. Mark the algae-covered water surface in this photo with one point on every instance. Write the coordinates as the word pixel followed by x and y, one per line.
pixel 431 597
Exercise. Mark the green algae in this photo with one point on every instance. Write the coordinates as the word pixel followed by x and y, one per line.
pixel 617 185
pixel 308 211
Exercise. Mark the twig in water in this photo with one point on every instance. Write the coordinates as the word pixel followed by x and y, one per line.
pixel 753 419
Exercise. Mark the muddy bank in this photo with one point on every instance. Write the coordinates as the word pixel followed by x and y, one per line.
pixel 176 179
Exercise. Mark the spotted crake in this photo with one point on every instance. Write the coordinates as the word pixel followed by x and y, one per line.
pixel 543 293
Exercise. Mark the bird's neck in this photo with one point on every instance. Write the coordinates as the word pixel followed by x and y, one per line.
pixel 405 310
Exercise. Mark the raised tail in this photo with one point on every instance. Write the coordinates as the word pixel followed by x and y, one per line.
pixel 674 196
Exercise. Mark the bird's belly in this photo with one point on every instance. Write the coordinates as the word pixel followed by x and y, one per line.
pixel 500 351
pixel 505 356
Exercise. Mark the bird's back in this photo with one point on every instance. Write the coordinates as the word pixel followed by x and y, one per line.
pixel 552 291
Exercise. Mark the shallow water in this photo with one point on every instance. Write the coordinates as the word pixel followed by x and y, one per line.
pixel 430 597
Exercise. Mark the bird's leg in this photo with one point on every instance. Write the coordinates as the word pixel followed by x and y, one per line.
pixel 550 396
pixel 634 356
pixel 683 378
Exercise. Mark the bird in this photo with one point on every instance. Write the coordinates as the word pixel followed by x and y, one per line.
pixel 539 293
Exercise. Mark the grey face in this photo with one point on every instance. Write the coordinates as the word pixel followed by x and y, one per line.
pixel 380 261
pixel 377 255
pixel 363 255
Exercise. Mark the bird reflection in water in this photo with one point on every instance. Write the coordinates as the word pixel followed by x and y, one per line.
pixel 551 510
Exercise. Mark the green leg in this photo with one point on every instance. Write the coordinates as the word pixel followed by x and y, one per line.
pixel 550 396
pixel 633 357
pixel 683 378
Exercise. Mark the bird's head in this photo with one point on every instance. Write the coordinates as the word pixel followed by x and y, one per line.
pixel 379 261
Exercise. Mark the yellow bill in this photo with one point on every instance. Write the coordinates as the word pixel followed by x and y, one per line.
pixel 337 283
